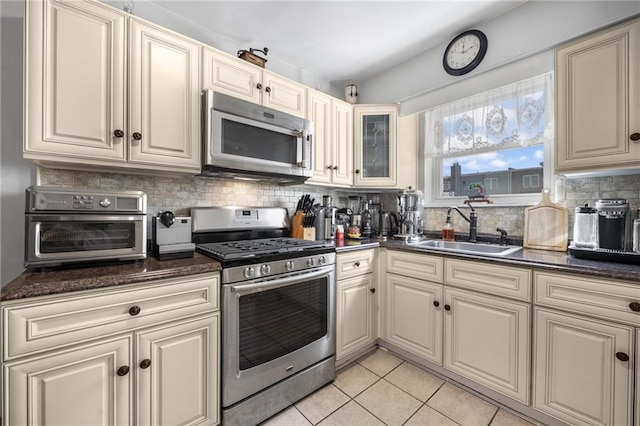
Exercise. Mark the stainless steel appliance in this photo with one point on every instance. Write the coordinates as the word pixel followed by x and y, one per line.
pixel 171 236
pixel 249 141
pixel 68 226
pixel 411 211
pixel 278 309
pixel 612 223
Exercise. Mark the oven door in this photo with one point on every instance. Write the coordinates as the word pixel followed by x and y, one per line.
pixel 54 239
pixel 275 328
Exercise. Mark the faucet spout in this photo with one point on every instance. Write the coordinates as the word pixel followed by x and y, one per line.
pixel 472 219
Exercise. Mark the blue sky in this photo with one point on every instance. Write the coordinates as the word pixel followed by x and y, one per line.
pixel 517 158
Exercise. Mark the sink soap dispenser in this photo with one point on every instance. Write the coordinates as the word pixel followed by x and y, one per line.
pixel 448 233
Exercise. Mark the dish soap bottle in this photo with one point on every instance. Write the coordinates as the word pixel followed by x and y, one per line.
pixel 448 233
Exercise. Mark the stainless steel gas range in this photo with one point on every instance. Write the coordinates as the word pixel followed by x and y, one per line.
pixel 278 309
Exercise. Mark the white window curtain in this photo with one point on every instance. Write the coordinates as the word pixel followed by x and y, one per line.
pixel 518 114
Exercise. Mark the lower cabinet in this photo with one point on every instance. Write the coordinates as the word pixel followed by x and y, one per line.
pixel 162 374
pixel 356 313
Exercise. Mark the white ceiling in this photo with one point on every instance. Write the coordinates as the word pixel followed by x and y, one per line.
pixel 339 40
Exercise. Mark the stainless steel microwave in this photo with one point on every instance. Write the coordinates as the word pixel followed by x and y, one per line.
pixel 249 141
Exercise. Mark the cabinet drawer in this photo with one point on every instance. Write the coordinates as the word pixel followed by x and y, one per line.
pixel 606 299
pixel 489 278
pixel 414 265
pixel 354 263
pixel 51 322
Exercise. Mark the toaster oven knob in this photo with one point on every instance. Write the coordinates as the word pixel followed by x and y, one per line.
pixel 265 269
pixel 105 202
pixel 289 265
pixel 248 272
pixel 322 260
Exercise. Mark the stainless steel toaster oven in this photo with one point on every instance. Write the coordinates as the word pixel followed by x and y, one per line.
pixel 65 226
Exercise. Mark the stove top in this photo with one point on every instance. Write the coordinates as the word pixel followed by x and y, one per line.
pixel 258 248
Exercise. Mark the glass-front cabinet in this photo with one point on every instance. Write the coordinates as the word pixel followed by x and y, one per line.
pixel 376 145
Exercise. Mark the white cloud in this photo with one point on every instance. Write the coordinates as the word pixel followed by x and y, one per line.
pixel 471 165
pixel 523 158
pixel 539 154
pixel 499 163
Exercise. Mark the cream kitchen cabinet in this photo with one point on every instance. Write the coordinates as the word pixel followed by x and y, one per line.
pixel 598 101
pixel 140 354
pixel 103 89
pixel 356 305
pixel 332 139
pixel 584 348
pixel 375 145
pixel 233 76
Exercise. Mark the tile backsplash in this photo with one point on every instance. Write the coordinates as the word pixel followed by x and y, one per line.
pixel 179 194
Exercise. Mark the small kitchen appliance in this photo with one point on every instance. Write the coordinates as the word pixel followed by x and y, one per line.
pixel 69 226
pixel 612 223
pixel 278 309
pixel 329 218
pixel 411 211
pixel 585 227
pixel 171 236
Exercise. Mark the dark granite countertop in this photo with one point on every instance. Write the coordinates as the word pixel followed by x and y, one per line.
pixel 360 244
pixel 33 283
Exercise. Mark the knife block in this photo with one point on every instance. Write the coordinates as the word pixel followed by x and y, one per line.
pixel 297 231
pixel 309 233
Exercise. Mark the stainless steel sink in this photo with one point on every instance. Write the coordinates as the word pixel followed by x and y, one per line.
pixel 469 248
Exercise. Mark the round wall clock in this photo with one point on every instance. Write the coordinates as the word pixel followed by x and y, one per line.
pixel 465 52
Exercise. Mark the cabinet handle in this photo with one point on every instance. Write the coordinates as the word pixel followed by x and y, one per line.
pixel 447 307
pixel 357 264
pixel 134 310
pixel 259 86
pixel 635 136
pixel 123 371
pixel 118 133
pixel 622 356
pixel 137 136
pixel 634 306
pixel 335 167
pixel 329 167
pixel 373 290
pixel 436 303
pixel 145 363
pixel 357 171
pixel 267 89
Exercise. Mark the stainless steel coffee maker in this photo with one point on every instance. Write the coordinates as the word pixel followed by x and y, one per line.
pixel 411 211
pixel 612 223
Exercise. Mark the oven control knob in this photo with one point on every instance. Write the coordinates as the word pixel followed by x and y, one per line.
pixel 248 272
pixel 322 260
pixel 265 269
pixel 310 262
pixel 105 202
pixel 289 265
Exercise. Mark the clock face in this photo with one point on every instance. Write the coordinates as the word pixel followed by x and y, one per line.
pixel 465 52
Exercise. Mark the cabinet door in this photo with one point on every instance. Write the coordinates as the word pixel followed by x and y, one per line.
pixel 74 387
pixel 355 315
pixel 375 145
pixel 414 322
pixel 598 105
pixel 637 397
pixel 319 111
pixel 487 341
pixel 283 95
pixel 75 81
pixel 342 124
pixel 232 76
pixel 577 377
pixel 178 373
pixel 164 94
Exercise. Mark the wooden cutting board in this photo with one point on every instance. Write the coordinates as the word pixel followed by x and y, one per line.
pixel 546 225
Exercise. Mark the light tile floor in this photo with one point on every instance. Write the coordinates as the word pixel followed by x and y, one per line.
pixel 381 389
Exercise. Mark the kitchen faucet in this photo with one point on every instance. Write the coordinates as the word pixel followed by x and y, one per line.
pixel 472 219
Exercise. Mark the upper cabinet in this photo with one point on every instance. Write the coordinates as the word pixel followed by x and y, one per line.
pixel 232 76
pixel 598 101
pixel 375 145
pixel 332 139
pixel 104 89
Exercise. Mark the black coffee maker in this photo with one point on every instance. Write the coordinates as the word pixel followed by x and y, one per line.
pixel 612 223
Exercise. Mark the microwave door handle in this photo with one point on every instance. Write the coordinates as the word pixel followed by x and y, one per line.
pixel 305 143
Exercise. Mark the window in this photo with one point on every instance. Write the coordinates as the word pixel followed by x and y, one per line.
pixel 496 144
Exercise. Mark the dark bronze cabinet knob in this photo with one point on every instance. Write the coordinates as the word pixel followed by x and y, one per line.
pixel 447 307
pixel 622 356
pixel 635 136
pixel 335 167
pixel 267 89
pixel 436 303
pixel 259 86
pixel 357 264
pixel 373 290
pixel 329 167
pixel 137 136
pixel 357 171
pixel 134 310
pixel 634 306
pixel 145 363
pixel 118 133
pixel 123 371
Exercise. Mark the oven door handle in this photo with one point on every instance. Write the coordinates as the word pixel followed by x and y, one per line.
pixel 280 281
